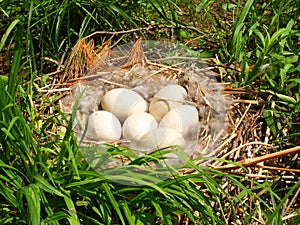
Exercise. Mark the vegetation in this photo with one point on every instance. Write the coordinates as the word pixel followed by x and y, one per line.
pixel 43 179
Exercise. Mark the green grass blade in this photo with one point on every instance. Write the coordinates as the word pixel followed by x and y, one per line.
pixel 16 61
pixel 31 193
pixel 8 195
pixel 276 211
pixel 113 201
pixel 8 31
pixel 73 218
pixel 52 217
pixel 245 12
pixel 42 183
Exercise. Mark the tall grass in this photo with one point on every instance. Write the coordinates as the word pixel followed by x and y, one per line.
pixel 43 179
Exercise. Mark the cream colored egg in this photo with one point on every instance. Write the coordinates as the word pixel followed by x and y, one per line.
pixel 166 99
pixel 161 138
pixel 137 125
pixel 104 126
pixel 123 102
pixel 183 119
pixel 158 108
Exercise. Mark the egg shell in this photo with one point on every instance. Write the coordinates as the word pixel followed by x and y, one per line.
pixel 104 126
pixel 123 102
pixel 158 108
pixel 137 125
pixel 183 119
pixel 161 138
pixel 166 99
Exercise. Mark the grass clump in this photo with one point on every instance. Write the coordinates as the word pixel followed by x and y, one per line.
pixel 43 179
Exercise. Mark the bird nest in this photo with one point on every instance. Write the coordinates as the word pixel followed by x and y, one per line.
pixel 145 67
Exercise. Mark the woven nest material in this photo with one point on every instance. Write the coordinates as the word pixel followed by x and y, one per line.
pixel 146 67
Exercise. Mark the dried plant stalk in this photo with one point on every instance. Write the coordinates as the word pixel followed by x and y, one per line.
pixel 136 54
pixel 84 58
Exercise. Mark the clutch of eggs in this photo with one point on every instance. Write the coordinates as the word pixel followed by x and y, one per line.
pixel 126 115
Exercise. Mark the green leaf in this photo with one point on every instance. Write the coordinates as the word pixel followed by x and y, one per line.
pixel 281 204
pixel 283 97
pixel 11 124
pixel 113 201
pixel 200 5
pixel 42 183
pixel 283 74
pixel 131 219
pixel 16 61
pixel 8 31
pixel 73 218
pixel 268 115
pixel 228 6
pixel 55 217
pixel 275 37
pixel 8 195
pixel 245 12
pixel 31 193
pixel 4 79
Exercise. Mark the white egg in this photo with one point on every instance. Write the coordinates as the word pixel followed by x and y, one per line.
pixel 137 125
pixel 123 102
pixel 166 99
pixel 183 119
pixel 161 138
pixel 104 126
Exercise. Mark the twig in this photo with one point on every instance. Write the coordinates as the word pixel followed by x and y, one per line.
pixel 291 202
pixel 54 90
pixel 164 66
pixel 250 162
pixel 113 83
pixel 239 91
pixel 239 147
pixel 289 216
pixel 255 102
pixel 261 176
pixel 99 74
pixel 243 116
pixel 54 73
pixel 144 28
pixel 278 168
pixel 51 60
